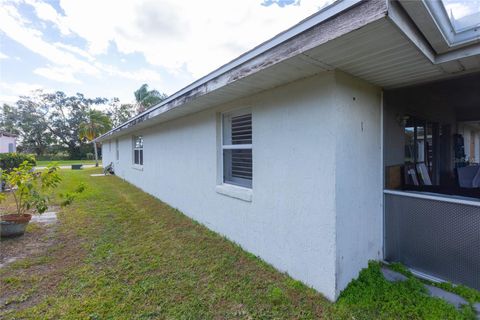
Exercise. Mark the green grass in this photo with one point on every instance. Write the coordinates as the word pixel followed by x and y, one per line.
pixel 122 254
pixel 44 163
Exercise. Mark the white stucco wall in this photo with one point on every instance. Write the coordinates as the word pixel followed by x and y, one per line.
pixel 5 141
pixel 291 221
pixel 358 177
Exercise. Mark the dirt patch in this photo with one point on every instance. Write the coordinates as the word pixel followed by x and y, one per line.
pixel 38 237
pixel 33 265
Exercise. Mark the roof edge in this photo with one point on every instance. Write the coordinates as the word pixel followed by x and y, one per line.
pixel 310 22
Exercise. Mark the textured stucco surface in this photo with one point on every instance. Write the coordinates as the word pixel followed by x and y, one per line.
pixel 306 148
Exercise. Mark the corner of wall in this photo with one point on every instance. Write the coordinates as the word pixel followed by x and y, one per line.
pixel 357 177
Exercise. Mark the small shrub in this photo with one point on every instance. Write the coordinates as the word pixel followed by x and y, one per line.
pixel 9 161
pixel 276 296
pixel 81 187
pixel 69 197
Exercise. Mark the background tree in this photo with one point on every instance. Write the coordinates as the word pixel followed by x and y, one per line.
pixel 97 123
pixel 26 119
pixel 147 98
pixel 49 122
pixel 64 115
pixel 120 112
pixel 9 119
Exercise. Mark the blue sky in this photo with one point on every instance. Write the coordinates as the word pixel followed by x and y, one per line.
pixel 109 48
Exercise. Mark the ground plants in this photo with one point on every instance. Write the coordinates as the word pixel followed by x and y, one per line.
pixel 122 254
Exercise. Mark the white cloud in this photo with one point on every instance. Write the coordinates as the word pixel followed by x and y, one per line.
pixel 184 37
pixel 66 60
pixel 74 50
pixel 3 56
pixel 17 29
pixel 46 12
pixel 200 35
pixel 9 92
pixel 59 74
pixel 141 75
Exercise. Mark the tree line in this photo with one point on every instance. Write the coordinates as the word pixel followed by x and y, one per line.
pixel 56 126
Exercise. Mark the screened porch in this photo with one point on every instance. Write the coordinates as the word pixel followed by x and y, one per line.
pixel 431 152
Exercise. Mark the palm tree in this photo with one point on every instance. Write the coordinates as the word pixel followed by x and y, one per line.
pixel 97 123
pixel 147 98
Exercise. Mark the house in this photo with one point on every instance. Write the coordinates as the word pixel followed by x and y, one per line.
pixel 339 141
pixel 8 142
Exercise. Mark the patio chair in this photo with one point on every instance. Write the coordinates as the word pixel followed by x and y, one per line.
pixel 476 179
pixel 423 174
pixel 469 177
pixel 411 175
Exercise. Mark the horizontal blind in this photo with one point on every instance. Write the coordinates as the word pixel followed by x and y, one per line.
pixel 237 148
pixel 242 129
pixel 242 163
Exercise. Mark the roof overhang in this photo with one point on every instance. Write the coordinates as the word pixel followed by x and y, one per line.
pixel 432 20
pixel 8 134
pixel 375 40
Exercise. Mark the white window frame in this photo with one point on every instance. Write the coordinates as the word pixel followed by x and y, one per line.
pixel 140 149
pixel 240 183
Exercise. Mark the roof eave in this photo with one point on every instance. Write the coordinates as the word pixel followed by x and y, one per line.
pixel 269 53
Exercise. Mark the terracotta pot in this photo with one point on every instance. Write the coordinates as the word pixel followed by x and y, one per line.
pixel 13 225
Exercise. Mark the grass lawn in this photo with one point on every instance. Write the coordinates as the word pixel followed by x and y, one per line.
pixel 121 254
pixel 44 163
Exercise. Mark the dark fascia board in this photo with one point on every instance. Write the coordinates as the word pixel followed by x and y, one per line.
pixel 340 17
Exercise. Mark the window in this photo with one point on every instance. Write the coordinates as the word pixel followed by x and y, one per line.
pixel 463 15
pixel 117 153
pixel 237 148
pixel 138 150
pixel 11 147
pixel 458 20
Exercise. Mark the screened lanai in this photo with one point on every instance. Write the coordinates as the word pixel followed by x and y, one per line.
pixel 432 178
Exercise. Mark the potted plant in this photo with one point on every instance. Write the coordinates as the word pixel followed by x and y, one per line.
pixel 30 190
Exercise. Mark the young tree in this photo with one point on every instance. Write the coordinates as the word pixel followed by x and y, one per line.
pixel 147 98
pixel 96 124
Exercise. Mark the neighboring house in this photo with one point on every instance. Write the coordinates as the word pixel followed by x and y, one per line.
pixel 330 145
pixel 8 142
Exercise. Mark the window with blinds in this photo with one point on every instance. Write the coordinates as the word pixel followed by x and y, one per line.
pixel 237 148
pixel 138 150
